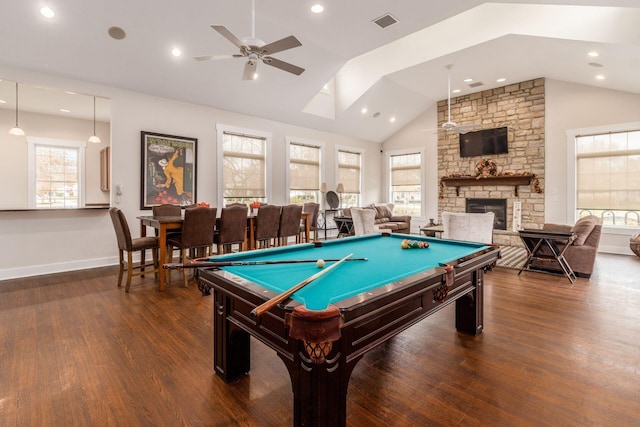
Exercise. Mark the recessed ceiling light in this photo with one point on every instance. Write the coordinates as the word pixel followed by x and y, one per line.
pixel 47 12
pixel 176 52
pixel 364 111
pixel 2 101
pixel 456 91
pixel 468 80
pixel 64 110
pixel 501 79
pixel 255 76
pixel 317 8
pixel 600 77
pixel 392 119
pixel 593 54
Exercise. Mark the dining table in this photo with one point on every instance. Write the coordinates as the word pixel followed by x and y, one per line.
pixel 162 224
pixel 165 224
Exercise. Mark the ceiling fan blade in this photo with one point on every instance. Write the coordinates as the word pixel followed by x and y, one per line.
pixel 214 57
pixel 467 128
pixel 250 70
pixel 280 45
pixel 228 35
pixel 294 69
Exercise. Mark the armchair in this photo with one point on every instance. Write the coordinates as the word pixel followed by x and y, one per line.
pixel 581 254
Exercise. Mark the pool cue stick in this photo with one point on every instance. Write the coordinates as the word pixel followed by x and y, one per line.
pixel 266 306
pixel 197 264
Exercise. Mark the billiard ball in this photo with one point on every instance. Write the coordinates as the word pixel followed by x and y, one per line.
pixel 320 263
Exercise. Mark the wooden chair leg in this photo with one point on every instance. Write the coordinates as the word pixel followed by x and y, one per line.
pixel 185 275
pixel 121 271
pixel 129 270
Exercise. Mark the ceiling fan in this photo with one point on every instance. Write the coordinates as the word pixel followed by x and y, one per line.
pixel 449 125
pixel 256 50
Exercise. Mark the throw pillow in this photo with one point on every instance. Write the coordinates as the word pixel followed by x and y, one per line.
pixel 383 211
pixel 583 228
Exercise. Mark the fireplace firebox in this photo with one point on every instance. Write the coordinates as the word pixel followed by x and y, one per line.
pixel 497 206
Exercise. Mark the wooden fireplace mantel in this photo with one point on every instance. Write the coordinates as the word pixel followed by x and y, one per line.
pixel 462 181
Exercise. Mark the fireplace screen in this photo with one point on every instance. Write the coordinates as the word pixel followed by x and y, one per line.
pixel 497 206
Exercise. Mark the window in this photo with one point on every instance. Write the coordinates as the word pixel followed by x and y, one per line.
pixel 55 173
pixel 304 173
pixel 349 175
pixel 406 189
pixel 244 168
pixel 608 177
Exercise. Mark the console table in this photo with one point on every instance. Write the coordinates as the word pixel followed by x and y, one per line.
pixel 537 241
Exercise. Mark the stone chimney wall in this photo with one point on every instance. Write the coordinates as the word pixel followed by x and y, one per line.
pixel 520 107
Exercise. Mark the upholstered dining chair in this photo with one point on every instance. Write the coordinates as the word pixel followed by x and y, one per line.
pixel 167 210
pixel 289 223
pixel 267 225
pixel 364 221
pixel 313 209
pixel 231 229
pixel 130 245
pixel 197 233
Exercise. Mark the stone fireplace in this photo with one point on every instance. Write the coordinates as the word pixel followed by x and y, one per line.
pixel 497 206
pixel 521 108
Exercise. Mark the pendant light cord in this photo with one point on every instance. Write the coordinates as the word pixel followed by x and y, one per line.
pixel 17 104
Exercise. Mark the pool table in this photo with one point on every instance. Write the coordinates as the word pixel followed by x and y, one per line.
pixel 354 307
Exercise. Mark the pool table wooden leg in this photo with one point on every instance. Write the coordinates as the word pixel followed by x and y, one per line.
pixel 231 351
pixel 320 389
pixel 469 308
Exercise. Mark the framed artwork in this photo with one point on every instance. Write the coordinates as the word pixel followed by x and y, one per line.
pixel 168 170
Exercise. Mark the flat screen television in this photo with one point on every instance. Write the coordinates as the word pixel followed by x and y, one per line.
pixel 484 142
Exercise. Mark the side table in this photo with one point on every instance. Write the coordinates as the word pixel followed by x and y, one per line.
pixel 548 246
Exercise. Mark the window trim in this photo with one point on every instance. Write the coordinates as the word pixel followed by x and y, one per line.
pixel 571 135
pixel 221 129
pixel 302 141
pixel 32 141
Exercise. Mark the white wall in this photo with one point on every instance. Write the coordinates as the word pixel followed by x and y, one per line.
pixel 572 106
pixel 568 106
pixel 36 242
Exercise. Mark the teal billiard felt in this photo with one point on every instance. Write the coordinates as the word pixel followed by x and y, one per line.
pixel 386 263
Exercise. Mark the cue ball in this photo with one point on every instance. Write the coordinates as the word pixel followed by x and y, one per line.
pixel 320 263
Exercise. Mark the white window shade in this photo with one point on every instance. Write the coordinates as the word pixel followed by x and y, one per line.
pixel 608 171
pixel 304 167
pixel 244 166
pixel 349 171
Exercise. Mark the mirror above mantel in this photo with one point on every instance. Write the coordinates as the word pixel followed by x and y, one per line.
pixel 39 168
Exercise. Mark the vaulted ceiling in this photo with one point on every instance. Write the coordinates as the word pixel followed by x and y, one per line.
pixel 398 71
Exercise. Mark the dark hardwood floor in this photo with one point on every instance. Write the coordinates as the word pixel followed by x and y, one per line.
pixel 75 350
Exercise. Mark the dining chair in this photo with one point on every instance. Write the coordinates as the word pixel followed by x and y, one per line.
pixel 267 225
pixel 313 209
pixel 231 229
pixel 289 223
pixel 168 210
pixel 130 245
pixel 197 234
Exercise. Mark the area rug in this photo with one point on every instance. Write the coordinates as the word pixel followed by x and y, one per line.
pixel 512 257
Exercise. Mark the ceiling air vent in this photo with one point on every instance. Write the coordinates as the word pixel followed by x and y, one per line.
pixel 476 84
pixel 385 20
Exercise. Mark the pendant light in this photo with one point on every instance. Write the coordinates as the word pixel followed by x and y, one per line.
pixel 17 130
pixel 94 138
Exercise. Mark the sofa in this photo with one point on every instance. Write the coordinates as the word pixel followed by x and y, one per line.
pixel 385 220
pixel 581 254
